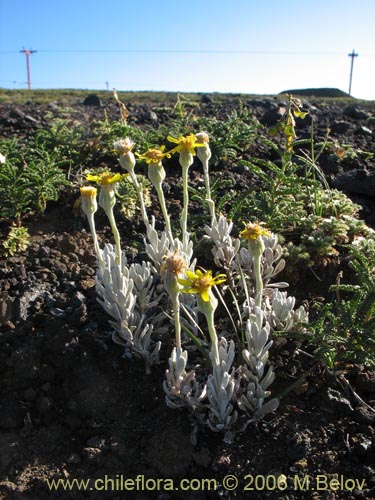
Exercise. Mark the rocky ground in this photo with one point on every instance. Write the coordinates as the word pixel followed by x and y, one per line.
pixel 72 407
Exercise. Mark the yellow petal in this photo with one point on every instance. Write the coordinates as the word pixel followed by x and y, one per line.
pixel 192 276
pixel 184 282
pixel 205 294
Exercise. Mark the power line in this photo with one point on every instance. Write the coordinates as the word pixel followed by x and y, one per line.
pixel 181 51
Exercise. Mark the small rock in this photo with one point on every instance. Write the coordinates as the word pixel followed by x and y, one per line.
pixel 56 312
pixel 206 99
pixel 301 464
pixel 355 181
pixel 78 299
pixel 74 458
pixel 353 111
pixel 150 116
pixel 272 115
pixel 340 127
pixel 91 454
pixel 92 100
pixel 363 130
pixel 96 442
pixel 363 447
pixel 364 415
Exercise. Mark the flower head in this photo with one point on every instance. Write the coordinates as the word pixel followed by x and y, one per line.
pixel 2 158
pixel 104 178
pixel 173 264
pixel 204 152
pixel 202 138
pixel 88 191
pixel 185 144
pixel 88 200
pixel 154 156
pixel 123 146
pixel 200 283
pixel 253 230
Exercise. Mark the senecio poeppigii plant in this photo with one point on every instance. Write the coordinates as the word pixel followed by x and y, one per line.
pixel 222 374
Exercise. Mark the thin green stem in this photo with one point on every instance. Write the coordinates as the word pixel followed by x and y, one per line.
pixel 209 313
pixel 90 218
pixel 141 199
pixel 184 215
pixel 209 200
pixel 256 252
pixel 116 235
pixel 160 193
pixel 177 322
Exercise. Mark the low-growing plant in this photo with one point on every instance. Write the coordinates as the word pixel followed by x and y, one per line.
pixel 16 242
pixel 229 388
pixel 345 328
pixel 29 178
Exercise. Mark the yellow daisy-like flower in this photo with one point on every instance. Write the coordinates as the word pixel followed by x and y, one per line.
pixel 185 144
pixel 153 156
pixel 253 230
pixel 104 178
pixel 200 283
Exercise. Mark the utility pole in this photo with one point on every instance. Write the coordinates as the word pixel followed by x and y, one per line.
pixel 107 85
pixel 28 54
pixel 352 56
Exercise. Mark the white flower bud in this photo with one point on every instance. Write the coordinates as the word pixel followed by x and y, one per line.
pixel 88 200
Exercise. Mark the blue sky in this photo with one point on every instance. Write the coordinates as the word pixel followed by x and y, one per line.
pixel 250 46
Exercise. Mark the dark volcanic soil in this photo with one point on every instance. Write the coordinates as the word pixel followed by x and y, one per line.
pixel 73 408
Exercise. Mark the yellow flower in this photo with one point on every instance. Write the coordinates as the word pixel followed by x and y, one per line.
pixel 185 144
pixel 88 200
pixel 104 178
pixel 88 191
pixel 201 283
pixel 252 231
pixel 153 155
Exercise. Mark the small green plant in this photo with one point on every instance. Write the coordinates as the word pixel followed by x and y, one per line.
pixel 128 198
pixel 345 329
pixel 17 241
pixel 28 179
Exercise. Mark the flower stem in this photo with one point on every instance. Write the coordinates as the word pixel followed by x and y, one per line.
pixel 160 193
pixel 141 199
pixel 90 218
pixel 177 322
pixel 256 248
pixel 116 235
pixel 184 215
pixel 209 200
pixel 209 313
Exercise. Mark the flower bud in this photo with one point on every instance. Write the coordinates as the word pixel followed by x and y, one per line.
pixel 156 173
pixel 88 200
pixel 107 198
pixel 124 148
pixel 128 162
pixel 203 153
